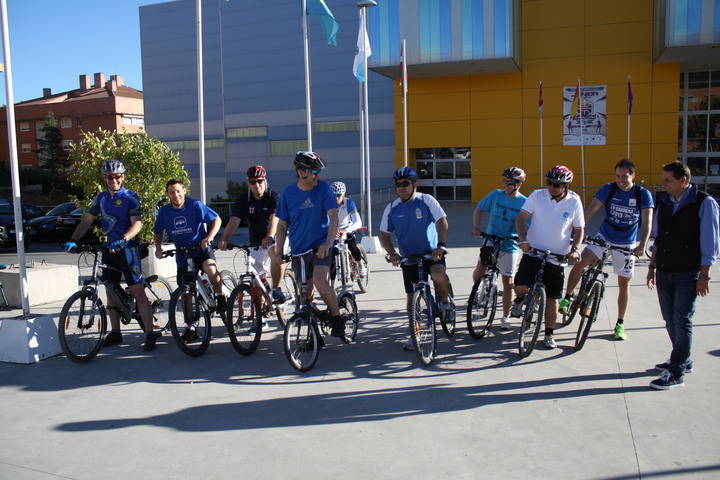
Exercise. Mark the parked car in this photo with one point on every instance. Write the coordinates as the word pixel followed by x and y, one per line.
pixel 68 222
pixel 7 223
pixel 46 228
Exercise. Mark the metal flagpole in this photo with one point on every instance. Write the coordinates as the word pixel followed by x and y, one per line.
pixel 404 94
pixel 582 140
pixel 629 111
pixel 367 128
pixel 541 111
pixel 201 108
pixel 306 52
pixel 362 152
pixel 12 146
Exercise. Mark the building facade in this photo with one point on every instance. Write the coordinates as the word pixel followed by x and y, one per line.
pixel 107 104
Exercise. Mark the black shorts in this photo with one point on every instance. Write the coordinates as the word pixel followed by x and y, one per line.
pixel 410 272
pixel 553 276
pixel 126 263
pixel 198 259
pixel 312 261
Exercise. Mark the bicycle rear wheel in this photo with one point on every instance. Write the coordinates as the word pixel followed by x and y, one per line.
pixel 348 307
pixel 568 317
pixel 588 314
pixel 189 322
pixel 363 282
pixel 288 285
pixel 229 282
pixel 448 318
pixel 159 293
pixel 422 327
pixel 532 321
pixel 482 305
pixel 244 322
pixel 301 342
pixel 82 326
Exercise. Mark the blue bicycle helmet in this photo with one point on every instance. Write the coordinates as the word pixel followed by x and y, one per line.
pixel 112 166
pixel 405 172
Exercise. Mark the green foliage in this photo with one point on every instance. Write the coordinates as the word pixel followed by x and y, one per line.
pixel 233 191
pixel 51 155
pixel 149 163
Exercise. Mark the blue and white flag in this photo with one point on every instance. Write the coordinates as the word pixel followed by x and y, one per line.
pixel 359 64
pixel 330 25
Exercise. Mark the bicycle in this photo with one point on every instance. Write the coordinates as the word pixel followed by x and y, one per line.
pixel 245 309
pixel 592 289
pixel 424 308
pixel 302 339
pixel 351 266
pixel 534 303
pixel 83 319
pixel 193 304
pixel 482 303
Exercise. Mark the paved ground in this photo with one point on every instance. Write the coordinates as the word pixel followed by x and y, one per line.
pixel 368 409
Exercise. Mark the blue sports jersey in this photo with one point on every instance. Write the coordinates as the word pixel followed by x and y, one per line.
pixel 413 223
pixel 186 226
pixel 305 212
pixel 623 213
pixel 115 212
pixel 503 212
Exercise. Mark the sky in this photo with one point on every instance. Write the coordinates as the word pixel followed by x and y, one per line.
pixel 52 42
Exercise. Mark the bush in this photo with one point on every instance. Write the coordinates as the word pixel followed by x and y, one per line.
pixel 149 163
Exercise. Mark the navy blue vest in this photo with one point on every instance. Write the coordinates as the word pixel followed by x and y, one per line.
pixel 678 237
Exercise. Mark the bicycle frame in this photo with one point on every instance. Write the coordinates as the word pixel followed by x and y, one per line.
pixel 343 252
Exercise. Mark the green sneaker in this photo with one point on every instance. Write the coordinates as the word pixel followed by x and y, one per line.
pixel 565 305
pixel 620 332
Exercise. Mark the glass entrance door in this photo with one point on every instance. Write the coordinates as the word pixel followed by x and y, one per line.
pixel 444 172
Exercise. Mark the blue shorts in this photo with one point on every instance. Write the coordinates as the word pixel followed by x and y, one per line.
pixel 125 263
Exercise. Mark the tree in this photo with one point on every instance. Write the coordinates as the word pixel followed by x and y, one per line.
pixel 51 155
pixel 233 191
pixel 149 163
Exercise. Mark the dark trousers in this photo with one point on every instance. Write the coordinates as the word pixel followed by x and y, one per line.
pixel 677 293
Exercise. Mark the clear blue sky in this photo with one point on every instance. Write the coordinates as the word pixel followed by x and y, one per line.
pixel 54 41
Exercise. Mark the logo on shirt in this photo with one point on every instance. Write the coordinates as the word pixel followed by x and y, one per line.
pixel 632 202
pixel 118 202
pixel 418 213
pixel 307 204
pixel 180 223
pixel 251 210
pixel 566 215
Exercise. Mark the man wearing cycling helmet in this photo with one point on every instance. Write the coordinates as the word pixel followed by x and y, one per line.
pixel 420 226
pixel 557 220
pixel 627 206
pixel 308 209
pixel 348 221
pixel 119 210
pixel 503 205
pixel 190 223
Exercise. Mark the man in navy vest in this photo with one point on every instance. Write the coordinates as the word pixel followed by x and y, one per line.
pixel 687 227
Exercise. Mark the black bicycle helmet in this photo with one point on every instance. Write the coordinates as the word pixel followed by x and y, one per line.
pixel 308 161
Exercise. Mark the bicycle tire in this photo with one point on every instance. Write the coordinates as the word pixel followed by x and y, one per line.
pixel 90 333
pixel 589 314
pixel 301 342
pixel 532 321
pixel 568 317
pixel 422 327
pixel 244 320
pixel 229 282
pixel 482 305
pixel 348 306
pixel 159 293
pixel 288 285
pixel 362 282
pixel 179 318
pixel 448 324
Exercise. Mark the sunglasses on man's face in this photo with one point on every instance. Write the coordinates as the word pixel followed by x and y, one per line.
pixel 114 176
pixel 254 182
pixel 510 183
pixel 338 195
pixel 555 184
pixel 402 184
pixel 314 172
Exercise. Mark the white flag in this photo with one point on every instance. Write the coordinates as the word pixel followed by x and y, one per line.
pixel 359 63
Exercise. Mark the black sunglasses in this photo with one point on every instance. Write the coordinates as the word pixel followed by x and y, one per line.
pixel 253 182
pixel 402 184
pixel 555 184
pixel 510 183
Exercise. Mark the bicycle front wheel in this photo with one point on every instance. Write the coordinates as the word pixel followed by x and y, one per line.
pixel 229 282
pixel 158 294
pixel 588 314
pixel 244 322
pixel 189 322
pixel 481 306
pixel 363 282
pixel 448 317
pixel 82 326
pixel 532 321
pixel 301 342
pixel 422 327
pixel 348 309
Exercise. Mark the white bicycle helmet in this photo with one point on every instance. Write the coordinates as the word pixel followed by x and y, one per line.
pixel 112 166
pixel 338 188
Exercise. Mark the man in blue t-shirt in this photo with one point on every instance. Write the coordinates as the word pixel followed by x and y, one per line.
pixel 119 211
pixel 627 223
pixel 503 205
pixel 417 220
pixel 308 212
pixel 190 223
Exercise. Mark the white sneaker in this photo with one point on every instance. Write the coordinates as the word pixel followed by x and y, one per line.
pixel 517 307
pixel 550 342
pixel 408 345
pixel 505 323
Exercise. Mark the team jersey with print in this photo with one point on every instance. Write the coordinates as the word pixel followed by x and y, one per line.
pixel 348 216
pixel 553 222
pixel 503 212
pixel 115 212
pixel 186 226
pixel 305 212
pixel 624 212
pixel 413 223
pixel 258 212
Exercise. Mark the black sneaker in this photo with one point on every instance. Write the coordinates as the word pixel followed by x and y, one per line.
pixel 667 381
pixel 112 338
pixel 221 302
pixel 189 335
pixel 338 328
pixel 665 366
pixel 150 340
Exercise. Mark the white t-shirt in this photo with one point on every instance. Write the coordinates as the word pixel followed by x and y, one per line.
pixel 553 222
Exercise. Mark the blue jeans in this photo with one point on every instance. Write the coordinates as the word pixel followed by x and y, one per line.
pixel 677 293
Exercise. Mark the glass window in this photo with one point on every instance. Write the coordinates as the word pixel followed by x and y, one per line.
pixel 65 122
pixel 697 166
pixel 425 169
pixel 714 134
pixel 680 133
pixel 24 126
pixel 287 147
pixel 714 166
pixel 66 145
pixel 715 90
pixel 428 190
pixel 713 189
pixel 463 193
pixel 697 133
pixel 698 83
pixel 79 122
pixel 444 170
pixel 424 153
pixel 247 132
pixel 26 148
pixel 445 153
pixel 462 169
pixel 463 152
pixel 321 127
pixel 444 193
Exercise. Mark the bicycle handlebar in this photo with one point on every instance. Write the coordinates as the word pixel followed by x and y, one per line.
pixel 98 247
pixel 604 244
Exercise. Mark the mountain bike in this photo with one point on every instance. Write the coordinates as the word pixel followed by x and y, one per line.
pixel 83 318
pixel 482 303
pixel 351 266
pixel 534 303
pixel 302 339
pixel 251 301
pixel 592 289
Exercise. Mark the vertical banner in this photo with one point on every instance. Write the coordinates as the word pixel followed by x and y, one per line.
pixel 592 105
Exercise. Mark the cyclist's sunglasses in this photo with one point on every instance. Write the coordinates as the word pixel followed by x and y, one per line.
pixel 510 183
pixel 402 184
pixel 338 195
pixel 259 180
pixel 114 176
pixel 555 184
pixel 313 171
